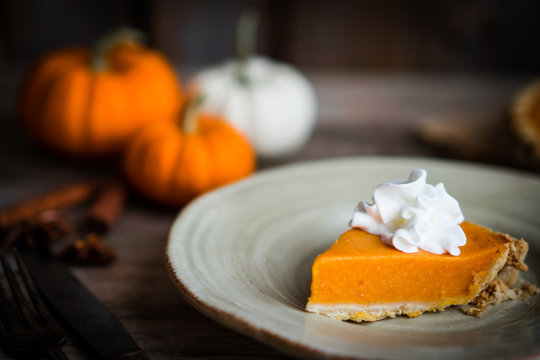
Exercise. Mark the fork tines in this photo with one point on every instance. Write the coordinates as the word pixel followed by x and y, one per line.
pixel 26 327
pixel 25 299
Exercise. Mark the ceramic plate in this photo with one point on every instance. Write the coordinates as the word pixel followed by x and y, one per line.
pixel 242 256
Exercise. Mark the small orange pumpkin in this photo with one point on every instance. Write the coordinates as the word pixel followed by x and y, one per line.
pixel 173 163
pixel 89 104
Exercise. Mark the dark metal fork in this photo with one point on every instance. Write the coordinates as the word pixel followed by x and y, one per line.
pixel 26 327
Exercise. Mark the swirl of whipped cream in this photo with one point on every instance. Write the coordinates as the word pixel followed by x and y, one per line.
pixel 410 214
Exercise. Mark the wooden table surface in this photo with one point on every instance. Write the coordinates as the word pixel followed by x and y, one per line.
pixel 359 114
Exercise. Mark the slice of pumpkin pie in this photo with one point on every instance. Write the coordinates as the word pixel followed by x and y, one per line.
pixel 411 252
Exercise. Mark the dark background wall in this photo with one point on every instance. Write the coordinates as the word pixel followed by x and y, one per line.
pixel 487 36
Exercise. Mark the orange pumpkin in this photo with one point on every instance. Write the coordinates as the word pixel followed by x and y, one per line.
pixel 172 163
pixel 89 104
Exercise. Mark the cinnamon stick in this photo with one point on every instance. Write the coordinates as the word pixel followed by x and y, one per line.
pixel 59 198
pixel 106 208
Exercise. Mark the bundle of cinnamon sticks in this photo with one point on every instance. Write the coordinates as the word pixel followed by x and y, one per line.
pixel 40 221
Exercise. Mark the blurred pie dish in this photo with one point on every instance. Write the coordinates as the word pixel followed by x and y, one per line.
pixel 526 121
pixel 359 278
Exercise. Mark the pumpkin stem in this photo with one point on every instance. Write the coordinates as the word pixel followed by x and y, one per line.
pixel 246 42
pixel 106 43
pixel 190 114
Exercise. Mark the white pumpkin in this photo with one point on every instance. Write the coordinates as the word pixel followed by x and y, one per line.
pixel 272 103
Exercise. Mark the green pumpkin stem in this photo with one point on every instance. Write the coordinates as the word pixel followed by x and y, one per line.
pixel 190 114
pixel 102 47
pixel 246 42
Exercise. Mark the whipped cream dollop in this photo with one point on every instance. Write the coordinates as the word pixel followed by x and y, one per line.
pixel 410 214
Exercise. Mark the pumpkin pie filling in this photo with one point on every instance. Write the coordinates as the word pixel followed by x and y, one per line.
pixel 361 278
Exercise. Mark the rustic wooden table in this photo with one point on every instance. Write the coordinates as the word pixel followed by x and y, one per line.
pixel 360 114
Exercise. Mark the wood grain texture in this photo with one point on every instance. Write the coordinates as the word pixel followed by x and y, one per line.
pixel 473 35
pixel 360 114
